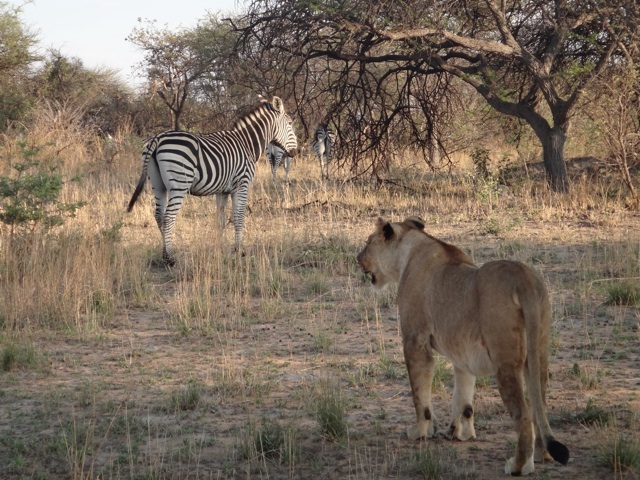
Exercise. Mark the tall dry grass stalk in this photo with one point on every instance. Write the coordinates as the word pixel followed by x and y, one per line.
pixel 67 280
pixel 84 272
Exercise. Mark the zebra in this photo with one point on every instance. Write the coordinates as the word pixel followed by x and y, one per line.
pixel 276 156
pixel 323 143
pixel 220 163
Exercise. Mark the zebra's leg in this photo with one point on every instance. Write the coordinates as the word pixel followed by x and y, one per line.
pixel 274 170
pixel 326 166
pixel 287 166
pixel 239 205
pixel 176 199
pixel 221 202
pixel 160 194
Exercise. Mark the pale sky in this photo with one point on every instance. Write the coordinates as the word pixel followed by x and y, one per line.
pixel 95 30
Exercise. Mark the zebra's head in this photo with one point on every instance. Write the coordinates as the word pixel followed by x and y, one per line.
pixel 284 135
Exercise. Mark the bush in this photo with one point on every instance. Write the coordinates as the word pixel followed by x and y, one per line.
pixel 31 198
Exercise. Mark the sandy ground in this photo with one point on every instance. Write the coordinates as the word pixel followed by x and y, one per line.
pixel 102 406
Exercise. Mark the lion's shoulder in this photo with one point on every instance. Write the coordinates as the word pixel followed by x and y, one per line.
pixel 451 253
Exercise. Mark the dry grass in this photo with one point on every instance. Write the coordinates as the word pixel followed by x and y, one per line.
pixel 119 368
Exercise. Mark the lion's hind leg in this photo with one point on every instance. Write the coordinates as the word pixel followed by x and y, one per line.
pixel 461 426
pixel 511 388
pixel 420 366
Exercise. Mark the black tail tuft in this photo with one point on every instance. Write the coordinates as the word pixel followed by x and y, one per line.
pixel 558 451
pixel 132 202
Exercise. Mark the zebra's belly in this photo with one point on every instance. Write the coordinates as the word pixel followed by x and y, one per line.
pixel 206 193
pixel 201 188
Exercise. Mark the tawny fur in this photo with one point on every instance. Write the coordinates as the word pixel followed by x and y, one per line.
pixel 488 320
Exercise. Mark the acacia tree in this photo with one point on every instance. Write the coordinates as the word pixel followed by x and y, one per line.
pixel 529 59
pixel 173 61
pixel 375 107
pixel 229 81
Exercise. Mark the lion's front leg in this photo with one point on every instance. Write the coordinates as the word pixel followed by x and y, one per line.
pixel 462 413
pixel 419 360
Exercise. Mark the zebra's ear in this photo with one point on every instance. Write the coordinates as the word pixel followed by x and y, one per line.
pixel 278 104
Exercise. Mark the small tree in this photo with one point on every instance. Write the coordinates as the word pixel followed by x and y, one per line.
pixel 31 198
pixel 173 61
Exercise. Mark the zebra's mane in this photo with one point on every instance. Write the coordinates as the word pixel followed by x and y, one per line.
pixel 259 106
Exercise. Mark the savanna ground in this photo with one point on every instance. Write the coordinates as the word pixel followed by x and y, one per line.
pixel 283 363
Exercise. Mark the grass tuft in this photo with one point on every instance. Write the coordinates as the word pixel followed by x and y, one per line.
pixel 619 451
pixel 623 293
pixel 434 463
pixel 185 398
pixel 330 409
pixel 20 357
pixel 593 414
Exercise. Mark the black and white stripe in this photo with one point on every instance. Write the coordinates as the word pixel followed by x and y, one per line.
pixel 276 157
pixel 323 144
pixel 220 163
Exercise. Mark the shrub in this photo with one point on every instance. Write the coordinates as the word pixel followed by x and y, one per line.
pixel 31 198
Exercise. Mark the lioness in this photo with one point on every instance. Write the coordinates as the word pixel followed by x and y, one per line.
pixel 492 319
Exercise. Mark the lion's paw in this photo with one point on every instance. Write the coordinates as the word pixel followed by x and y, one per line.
pixel 541 455
pixel 416 432
pixel 510 467
pixel 462 431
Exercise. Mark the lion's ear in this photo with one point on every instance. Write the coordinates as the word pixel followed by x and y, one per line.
pixel 414 222
pixel 387 231
pixel 385 227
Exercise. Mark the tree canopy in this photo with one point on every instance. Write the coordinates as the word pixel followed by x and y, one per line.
pixel 389 66
pixel 17 53
pixel 186 65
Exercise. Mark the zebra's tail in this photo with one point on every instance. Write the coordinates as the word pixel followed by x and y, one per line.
pixel 149 149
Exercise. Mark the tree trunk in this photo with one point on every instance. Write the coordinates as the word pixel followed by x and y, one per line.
pixel 175 119
pixel 553 157
pixel 434 152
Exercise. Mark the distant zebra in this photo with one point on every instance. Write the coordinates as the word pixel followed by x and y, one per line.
pixel 276 156
pixel 220 163
pixel 323 143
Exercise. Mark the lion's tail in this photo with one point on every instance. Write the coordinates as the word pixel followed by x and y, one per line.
pixel 537 313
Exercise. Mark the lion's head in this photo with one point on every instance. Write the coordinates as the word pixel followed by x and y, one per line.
pixel 379 257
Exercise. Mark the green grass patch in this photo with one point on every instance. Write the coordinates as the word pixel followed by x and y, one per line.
pixel 331 414
pixel 620 452
pixel 15 356
pixel 623 293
